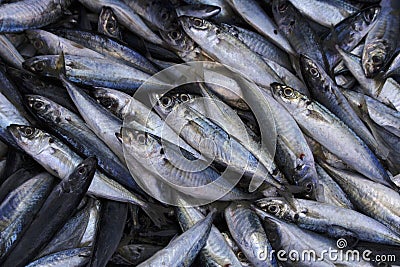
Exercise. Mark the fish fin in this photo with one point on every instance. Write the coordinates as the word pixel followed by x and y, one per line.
pixel 156 213
pixel 60 65
pixel 255 183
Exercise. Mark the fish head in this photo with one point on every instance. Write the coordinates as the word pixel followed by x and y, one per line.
pixel 108 23
pixel 165 105
pixel 162 14
pixel 284 15
pixel 140 142
pixel 370 14
pixel 375 55
pixel 200 28
pixel 25 78
pixel 271 225
pixel 85 170
pixel 43 107
pixel 277 207
pixel 42 65
pixel 107 99
pixel 288 97
pixel 37 40
pixel 312 72
pixel 30 139
pixel 178 40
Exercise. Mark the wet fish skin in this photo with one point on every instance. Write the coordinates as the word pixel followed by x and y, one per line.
pixel 311 116
pixel 126 16
pixel 349 33
pixel 182 250
pixel 19 208
pixel 228 50
pixel 9 114
pixel 154 154
pixel 257 43
pixel 373 199
pixel 77 257
pixel 286 236
pixel 216 252
pixel 297 30
pixel 53 214
pixel 111 226
pixel 110 48
pixel 89 71
pixel 203 11
pixel 9 53
pixel 326 13
pixel 29 83
pixel 17 178
pixel 325 91
pixel 159 13
pixel 28 14
pixel 247 230
pixel 71 233
pixel 333 194
pixel 252 13
pixel 379 49
pixel 134 253
pixel 57 158
pixel 337 222
pixel 47 43
pixel 73 130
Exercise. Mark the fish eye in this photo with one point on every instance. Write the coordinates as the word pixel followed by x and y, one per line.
pixel 107 102
pixel 39 66
pixel 274 209
pixel 314 72
pixel 184 97
pixel 175 35
pixel 377 59
pixel 28 131
pixel 110 25
pixel 282 7
pixel 198 23
pixel 165 16
pixel 296 217
pixel 82 170
pixel 369 15
pixel 166 101
pixel 309 187
pixel 288 92
pixel 38 105
pixel 141 139
pixel 241 256
pixel 38 44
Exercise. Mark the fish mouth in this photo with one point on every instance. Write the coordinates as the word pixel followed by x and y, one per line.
pixel 15 130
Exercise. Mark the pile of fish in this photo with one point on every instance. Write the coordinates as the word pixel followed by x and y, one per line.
pixel 199 132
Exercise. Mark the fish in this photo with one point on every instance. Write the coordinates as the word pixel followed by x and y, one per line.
pixel 53 213
pixel 31 14
pixel 248 232
pixel 19 208
pixel 337 222
pixel 378 48
pixel 60 160
pixel 308 112
pixel 182 250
